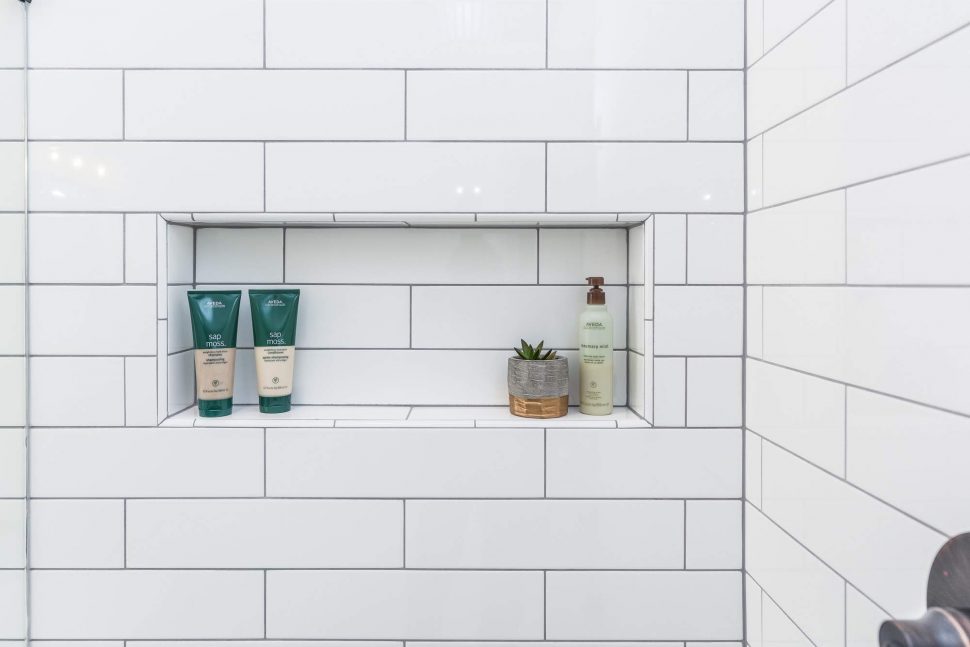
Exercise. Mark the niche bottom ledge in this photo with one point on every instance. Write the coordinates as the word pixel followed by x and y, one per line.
pixel 248 415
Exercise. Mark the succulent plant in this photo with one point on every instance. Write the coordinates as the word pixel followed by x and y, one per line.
pixel 529 352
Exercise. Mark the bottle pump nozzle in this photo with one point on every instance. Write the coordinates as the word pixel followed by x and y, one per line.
pixel 595 296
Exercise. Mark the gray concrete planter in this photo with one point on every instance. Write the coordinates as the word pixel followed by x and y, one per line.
pixel 538 388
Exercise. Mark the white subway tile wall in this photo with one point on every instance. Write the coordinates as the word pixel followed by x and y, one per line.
pixel 469 127
pixel 856 266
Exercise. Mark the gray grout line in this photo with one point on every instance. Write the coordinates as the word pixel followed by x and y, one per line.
pixel 862 388
pixel 845 481
pixel 863 79
pixel 784 38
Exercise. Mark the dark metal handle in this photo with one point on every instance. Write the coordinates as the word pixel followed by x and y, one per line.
pixel 939 627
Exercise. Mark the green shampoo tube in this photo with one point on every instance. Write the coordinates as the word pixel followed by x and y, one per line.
pixel 274 336
pixel 215 318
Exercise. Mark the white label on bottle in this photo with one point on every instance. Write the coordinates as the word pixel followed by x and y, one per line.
pixel 215 369
pixel 274 370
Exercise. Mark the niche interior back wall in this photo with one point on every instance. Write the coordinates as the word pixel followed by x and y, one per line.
pixel 442 112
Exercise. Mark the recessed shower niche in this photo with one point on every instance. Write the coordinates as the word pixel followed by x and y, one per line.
pixel 408 319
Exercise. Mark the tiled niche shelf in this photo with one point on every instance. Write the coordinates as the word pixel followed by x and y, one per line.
pixel 444 295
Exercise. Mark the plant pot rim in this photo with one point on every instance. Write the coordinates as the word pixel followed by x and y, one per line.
pixel 556 359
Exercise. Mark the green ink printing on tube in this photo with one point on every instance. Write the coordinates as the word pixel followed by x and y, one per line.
pixel 215 318
pixel 274 336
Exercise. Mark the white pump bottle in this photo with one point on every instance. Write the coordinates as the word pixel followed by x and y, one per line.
pixel 595 353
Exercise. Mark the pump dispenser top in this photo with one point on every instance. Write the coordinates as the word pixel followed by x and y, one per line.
pixel 595 296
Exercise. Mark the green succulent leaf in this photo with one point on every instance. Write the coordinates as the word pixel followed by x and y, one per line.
pixel 528 352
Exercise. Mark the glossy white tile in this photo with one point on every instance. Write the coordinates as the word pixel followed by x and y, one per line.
pixel 411 256
pixel 405 603
pixel 862 619
pixel 11 247
pixel 713 535
pixel 570 255
pixel 12 20
pixel 62 390
pixel 56 256
pixel 77 533
pixel 800 242
pixel 698 320
pixel 179 254
pixel 755 168
pixel 670 248
pixel 278 533
pixel 907 455
pixel 752 468
pixel 76 104
pixel 12 166
pixel 649 463
pixel 13 604
pixel 873 546
pixel 715 248
pixel 140 248
pixel 803 414
pixel 146 604
pixel 809 591
pixel 264 104
pixel 545 534
pixel 633 34
pixel 11 103
pixel 13 383
pixel 754 324
pixel 908 229
pixel 645 605
pixel 645 177
pixel 140 391
pixel 12 472
pixel 222 33
pixel 716 107
pixel 714 391
pixel 138 176
pixel 457 317
pixel 238 255
pixel 409 34
pixel 805 68
pixel 670 391
pixel 12 533
pixel 781 18
pixel 181 379
pixel 453 177
pixel 883 32
pixel 135 462
pixel 90 333
pixel 12 320
pixel 547 105
pixel 777 628
pixel 404 462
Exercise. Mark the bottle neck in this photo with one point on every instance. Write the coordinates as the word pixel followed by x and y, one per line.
pixel 596 306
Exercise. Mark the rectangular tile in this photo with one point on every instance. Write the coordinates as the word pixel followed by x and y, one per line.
pixel 222 33
pixel 802 413
pixel 94 96
pixel 633 34
pixel 752 468
pixel 138 462
pixel 907 455
pixel 405 604
pixel 409 34
pixel 63 390
pixel 13 383
pixel 778 629
pixel 454 177
pixel 180 254
pixel 11 246
pixel 404 462
pixel 239 255
pixel 645 605
pixel 77 534
pixel 11 94
pixel 653 463
pixel 809 591
pixel 547 105
pixel 264 534
pixel 883 32
pixel 545 534
pixel 140 248
pixel 264 104
pixel 141 386
pixel 181 380
pixel 716 105
pixel 449 377
pixel 872 545
pixel 12 38
pixel 457 317
pixel 12 605
pixel 850 334
pixel 713 534
pixel 411 256
pixel 715 248
pixel 12 454
pixel 56 256
pixel 752 612
pixel 147 604
pixel 907 229
pixel 754 323
pixel 670 248
pixel 862 619
pixel 570 255
pixel 12 320
pixel 800 242
pixel 804 69
pixel 670 391
pixel 895 121
pixel 179 321
pixel 755 167
pixel 645 177
pixel 92 329
pixel 12 166
pixel 698 320
pixel 13 553
pixel 714 392
pixel 134 176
